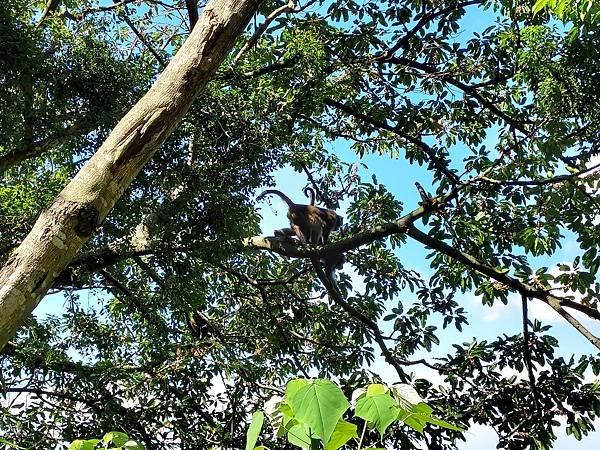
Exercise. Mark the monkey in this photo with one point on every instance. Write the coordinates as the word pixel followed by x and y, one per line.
pixel 331 263
pixel 285 233
pixel 310 193
pixel 198 324
pixel 311 225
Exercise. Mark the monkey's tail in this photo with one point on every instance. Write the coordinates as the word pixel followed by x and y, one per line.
pixel 284 197
pixel 310 193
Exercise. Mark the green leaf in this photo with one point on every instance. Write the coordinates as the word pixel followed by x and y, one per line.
pixel 319 404
pixel 422 408
pixel 539 5
pixel 117 438
pixel 343 432
pixel 293 386
pixel 444 424
pixel 258 419
pixel 298 435
pixel 376 389
pixel 79 444
pixel 419 415
pixel 288 414
pixel 380 410
pixel 415 421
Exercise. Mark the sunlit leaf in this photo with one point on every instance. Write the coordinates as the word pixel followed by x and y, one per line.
pixel 319 404
pixel 258 419
pixel 379 410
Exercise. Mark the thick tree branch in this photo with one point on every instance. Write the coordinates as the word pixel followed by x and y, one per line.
pixel 522 288
pixel 69 222
pixel 23 152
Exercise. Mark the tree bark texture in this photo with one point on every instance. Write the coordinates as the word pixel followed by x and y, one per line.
pixel 63 228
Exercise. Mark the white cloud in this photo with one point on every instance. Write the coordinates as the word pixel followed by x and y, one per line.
pixel 497 311
pixel 543 312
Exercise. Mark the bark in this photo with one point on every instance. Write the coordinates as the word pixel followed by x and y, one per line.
pixel 83 204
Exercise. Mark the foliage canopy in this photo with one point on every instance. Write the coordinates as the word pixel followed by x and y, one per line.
pixel 172 326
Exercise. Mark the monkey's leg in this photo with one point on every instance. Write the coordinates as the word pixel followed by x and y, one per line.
pixel 286 233
pixel 298 232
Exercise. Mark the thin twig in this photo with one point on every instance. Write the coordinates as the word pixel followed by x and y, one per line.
pixel 433 158
pixel 336 295
pixel 527 354
pixel 289 7
pixel 143 39
pixel 523 288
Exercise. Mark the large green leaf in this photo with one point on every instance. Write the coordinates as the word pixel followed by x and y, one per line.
pixel 298 435
pixel 376 389
pixel 414 420
pixel 117 438
pixel 343 432
pixel 380 410
pixel 293 386
pixel 258 419
pixel 419 415
pixel 319 404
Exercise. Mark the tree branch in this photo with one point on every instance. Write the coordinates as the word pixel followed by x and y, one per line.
pixel 469 90
pixel 522 288
pixel 336 296
pixel 437 162
pixel 544 181
pixel 143 39
pixel 192 9
pixel 290 6
pixel 23 152
pixel 85 12
pixel 51 7
pixel 527 354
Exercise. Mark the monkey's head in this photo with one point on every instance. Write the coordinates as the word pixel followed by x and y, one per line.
pixel 339 222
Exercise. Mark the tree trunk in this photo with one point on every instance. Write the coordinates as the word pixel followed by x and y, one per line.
pixel 63 228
